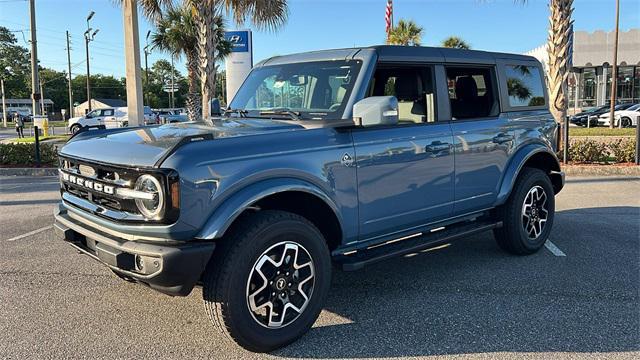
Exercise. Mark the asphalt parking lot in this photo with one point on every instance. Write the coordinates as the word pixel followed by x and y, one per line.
pixel 577 298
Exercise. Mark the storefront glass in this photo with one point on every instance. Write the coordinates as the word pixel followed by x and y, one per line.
pixel 588 87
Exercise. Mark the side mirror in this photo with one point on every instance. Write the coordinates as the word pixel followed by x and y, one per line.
pixel 376 110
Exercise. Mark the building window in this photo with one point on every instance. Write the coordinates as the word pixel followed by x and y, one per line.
pixel 624 84
pixel 636 85
pixel 588 87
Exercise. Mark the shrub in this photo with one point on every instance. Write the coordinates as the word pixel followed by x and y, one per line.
pixel 624 150
pixel 24 155
pixel 587 150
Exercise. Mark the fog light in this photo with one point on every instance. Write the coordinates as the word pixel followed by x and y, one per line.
pixel 139 263
pixel 146 264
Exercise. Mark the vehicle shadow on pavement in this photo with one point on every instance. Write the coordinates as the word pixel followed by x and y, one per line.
pixel 471 297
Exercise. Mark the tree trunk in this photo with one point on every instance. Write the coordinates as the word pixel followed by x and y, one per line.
pixel 558 50
pixel 206 52
pixel 193 97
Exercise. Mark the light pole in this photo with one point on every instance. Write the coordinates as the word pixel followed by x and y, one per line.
pixel 7 70
pixel 35 96
pixel 88 37
pixel 614 73
pixel 147 51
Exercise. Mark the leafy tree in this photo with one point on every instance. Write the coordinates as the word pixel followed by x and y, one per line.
pixel 55 87
pixel 406 33
pixel 102 87
pixel 15 66
pixel 455 43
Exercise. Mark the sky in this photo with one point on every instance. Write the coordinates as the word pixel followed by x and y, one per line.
pixel 495 25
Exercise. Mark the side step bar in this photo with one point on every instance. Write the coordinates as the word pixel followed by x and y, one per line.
pixel 358 259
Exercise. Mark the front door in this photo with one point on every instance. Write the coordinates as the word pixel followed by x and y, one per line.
pixel 482 137
pixel 405 171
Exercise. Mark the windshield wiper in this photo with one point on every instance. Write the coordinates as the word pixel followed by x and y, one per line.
pixel 241 112
pixel 295 115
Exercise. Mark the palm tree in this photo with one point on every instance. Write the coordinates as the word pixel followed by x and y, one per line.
pixel 455 43
pixel 406 33
pixel 177 33
pixel 560 24
pixel 263 14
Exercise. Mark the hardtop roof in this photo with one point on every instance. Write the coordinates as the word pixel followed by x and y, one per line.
pixel 400 53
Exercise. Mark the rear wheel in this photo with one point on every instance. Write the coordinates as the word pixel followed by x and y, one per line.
pixel 268 281
pixel 528 214
pixel 626 122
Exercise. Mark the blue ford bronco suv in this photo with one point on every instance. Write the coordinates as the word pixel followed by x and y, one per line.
pixel 339 157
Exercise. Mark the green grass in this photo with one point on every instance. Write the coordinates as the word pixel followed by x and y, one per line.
pixel 601 131
pixel 29 140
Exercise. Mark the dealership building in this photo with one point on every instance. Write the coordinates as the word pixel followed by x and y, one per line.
pixel 590 77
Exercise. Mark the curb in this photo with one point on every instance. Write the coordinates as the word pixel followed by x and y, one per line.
pixel 600 170
pixel 44 171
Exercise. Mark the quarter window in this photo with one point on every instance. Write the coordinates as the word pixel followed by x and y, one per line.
pixel 524 86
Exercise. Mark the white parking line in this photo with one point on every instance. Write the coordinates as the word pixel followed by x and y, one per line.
pixel 553 248
pixel 30 233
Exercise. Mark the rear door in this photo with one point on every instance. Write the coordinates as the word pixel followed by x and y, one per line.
pixel 405 171
pixel 109 118
pixel 482 137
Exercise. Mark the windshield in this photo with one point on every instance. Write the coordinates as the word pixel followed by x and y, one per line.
pixel 314 90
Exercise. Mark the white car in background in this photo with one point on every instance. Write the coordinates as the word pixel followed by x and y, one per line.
pixel 110 118
pixel 628 116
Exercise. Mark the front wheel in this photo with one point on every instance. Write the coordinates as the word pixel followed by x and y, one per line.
pixel 267 282
pixel 75 128
pixel 528 214
pixel 626 122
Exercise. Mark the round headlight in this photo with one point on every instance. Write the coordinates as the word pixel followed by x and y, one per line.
pixel 152 208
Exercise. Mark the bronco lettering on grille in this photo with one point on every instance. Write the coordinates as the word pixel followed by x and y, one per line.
pixel 86 183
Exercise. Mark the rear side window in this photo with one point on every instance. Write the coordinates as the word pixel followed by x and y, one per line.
pixel 471 92
pixel 524 86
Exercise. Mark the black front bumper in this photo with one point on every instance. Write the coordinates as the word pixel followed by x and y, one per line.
pixel 173 269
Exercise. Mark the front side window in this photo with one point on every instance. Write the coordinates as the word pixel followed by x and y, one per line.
pixel 471 92
pixel 412 86
pixel 314 90
pixel 524 86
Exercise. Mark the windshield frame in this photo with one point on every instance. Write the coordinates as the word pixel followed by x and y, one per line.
pixel 309 114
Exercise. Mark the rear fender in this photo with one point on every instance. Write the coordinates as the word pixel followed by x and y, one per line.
pixel 516 164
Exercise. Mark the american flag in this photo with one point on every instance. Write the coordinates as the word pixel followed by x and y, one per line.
pixel 388 16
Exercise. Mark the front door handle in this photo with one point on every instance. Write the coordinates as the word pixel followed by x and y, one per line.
pixel 502 138
pixel 436 146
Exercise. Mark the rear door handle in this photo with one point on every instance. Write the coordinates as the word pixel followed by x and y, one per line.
pixel 436 147
pixel 502 138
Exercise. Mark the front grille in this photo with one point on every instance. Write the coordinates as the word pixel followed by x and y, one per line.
pixel 103 175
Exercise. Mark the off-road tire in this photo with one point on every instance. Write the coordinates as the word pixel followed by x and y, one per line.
pixel 512 236
pixel 225 279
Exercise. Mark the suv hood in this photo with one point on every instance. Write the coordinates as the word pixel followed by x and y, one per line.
pixel 145 146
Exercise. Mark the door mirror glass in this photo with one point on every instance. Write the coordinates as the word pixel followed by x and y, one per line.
pixel 376 110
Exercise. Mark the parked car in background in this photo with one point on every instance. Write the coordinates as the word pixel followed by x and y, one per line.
pixel 627 114
pixel 112 117
pixel 365 154
pixel 590 115
pixel 167 116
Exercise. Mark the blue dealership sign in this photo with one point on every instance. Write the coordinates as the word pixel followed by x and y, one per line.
pixel 239 40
